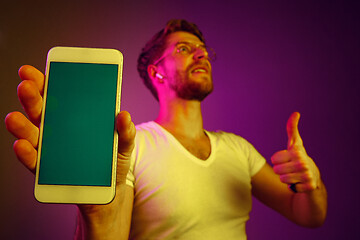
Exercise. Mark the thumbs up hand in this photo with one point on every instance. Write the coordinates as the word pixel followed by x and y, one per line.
pixel 293 165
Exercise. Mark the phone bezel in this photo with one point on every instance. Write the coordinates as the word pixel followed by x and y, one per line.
pixel 69 193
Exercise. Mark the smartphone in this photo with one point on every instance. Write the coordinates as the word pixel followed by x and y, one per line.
pixel 77 148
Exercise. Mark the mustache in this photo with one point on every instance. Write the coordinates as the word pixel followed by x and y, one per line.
pixel 203 63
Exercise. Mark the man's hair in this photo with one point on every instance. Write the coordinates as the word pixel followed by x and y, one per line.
pixel 156 46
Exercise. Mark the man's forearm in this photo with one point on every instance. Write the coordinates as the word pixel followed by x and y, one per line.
pixel 310 208
pixel 91 228
pixel 105 222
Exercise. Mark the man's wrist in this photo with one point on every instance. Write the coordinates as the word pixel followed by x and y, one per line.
pixel 101 221
pixel 97 224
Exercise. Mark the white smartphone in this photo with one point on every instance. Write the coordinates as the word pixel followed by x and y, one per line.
pixel 77 148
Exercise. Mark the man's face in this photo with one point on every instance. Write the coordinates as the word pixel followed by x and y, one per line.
pixel 186 66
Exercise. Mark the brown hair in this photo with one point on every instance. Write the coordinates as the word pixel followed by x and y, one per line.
pixel 156 46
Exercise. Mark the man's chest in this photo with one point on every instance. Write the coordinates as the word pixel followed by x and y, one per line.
pixel 171 181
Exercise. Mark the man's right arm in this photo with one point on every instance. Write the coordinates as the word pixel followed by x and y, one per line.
pixel 110 221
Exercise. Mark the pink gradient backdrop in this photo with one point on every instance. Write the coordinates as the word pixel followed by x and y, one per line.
pixel 274 57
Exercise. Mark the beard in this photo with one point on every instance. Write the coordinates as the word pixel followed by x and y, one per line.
pixel 189 89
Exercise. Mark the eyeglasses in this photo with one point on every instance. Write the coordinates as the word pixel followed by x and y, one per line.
pixel 188 48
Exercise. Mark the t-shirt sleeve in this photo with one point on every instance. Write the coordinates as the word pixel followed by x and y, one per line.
pixel 130 178
pixel 256 160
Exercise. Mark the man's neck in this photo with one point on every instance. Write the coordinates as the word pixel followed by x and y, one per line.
pixel 182 118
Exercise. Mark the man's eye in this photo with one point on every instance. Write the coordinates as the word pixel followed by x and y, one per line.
pixel 183 49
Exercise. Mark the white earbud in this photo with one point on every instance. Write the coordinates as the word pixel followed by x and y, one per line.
pixel 158 75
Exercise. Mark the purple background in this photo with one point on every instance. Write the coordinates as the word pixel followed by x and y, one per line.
pixel 274 57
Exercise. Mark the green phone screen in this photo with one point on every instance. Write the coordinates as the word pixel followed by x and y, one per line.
pixel 79 124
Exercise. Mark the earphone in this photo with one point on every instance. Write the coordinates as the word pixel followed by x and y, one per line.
pixel 158 75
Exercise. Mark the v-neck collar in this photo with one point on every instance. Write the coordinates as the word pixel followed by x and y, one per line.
pixel 195 159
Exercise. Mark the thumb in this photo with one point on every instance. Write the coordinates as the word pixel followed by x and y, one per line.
pixel 294 139
pixel 126 134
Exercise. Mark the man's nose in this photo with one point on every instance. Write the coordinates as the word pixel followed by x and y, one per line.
pixel 200 54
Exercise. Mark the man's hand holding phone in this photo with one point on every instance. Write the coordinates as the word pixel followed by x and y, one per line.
pixel 30 93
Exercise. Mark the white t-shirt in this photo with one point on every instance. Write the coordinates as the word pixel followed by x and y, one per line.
pixel 178 196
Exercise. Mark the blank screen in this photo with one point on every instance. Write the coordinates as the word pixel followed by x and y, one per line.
pixel 78 133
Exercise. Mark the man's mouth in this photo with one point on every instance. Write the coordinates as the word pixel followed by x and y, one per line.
pixel 200 69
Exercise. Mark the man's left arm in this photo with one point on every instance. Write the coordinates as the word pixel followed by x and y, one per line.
pixel 308 205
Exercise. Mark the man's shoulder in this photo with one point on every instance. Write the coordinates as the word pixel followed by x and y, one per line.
pixel 148 130
pixel 145 126
pixel 228 138
pixel 224 134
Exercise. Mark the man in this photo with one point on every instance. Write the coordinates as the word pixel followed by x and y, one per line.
pixel 177 180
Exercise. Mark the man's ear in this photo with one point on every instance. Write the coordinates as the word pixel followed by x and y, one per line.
pixel 153 73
